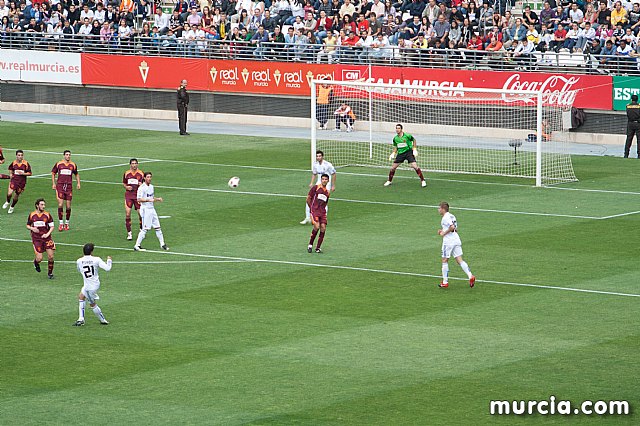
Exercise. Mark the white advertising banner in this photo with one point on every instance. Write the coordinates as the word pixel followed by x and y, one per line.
pixel 40 66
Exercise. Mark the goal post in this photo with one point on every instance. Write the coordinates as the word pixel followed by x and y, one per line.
pixel 458 129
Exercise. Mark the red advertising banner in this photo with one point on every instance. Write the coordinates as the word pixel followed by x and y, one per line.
pixel 282 78
pixel 144 71
pixel 583 91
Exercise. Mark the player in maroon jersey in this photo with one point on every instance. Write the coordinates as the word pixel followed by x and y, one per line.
pixel 40 223
pixel 19 169
pixel 65 170
pixel 317 201
pixel 2 175
pixel 131 180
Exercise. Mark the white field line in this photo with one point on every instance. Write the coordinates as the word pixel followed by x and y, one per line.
pixel 239 166
pixel 349 268
pixel 620 215
pixel 110 166
pixel 135 262
pixel 384 203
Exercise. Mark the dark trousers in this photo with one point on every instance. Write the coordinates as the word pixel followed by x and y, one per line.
pixel 182 118
pixel 633 129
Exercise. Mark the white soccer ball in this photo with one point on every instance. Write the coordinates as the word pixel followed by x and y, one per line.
pixel 234 182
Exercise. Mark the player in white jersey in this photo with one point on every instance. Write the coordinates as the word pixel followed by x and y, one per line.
pixel 88 266
pixel 146 198
pixel 320 167
pixel 451 245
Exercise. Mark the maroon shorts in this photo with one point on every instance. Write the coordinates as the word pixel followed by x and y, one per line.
pixel 320 218
pixel 131 203
pixel 64 192
pixel 17 187
pixel 40 246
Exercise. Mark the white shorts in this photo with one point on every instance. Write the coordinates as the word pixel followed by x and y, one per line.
pixel 149 218
pixel 90 295
pixel 451 251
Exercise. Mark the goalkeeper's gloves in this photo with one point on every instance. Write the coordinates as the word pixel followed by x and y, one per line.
pixel 415 152
pixel 392 156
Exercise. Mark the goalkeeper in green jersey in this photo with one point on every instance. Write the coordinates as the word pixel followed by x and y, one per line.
pixel 404 149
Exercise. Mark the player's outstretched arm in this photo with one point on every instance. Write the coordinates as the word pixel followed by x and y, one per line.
pixel 105 266
pixel 53 180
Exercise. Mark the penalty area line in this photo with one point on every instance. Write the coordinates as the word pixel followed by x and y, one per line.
pixel 348 268
pixel 138 262
pixel 348 200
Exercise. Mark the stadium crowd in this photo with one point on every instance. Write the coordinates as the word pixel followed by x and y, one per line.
pixel 600 35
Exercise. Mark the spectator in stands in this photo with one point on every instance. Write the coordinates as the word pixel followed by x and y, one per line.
pixel 208 18
pixel 547 15
pixel 347 49
pixel 455 33
pixel 575 14
pixel 431 11
pixel 143 39
pixel 4 10
pixel 609 50
pixel 324 25
pixel 255 21
pixel 604 34
pixel 625 61
pixel 593 51
pixel 375 26
pixel 634 18
pixel 274 48
pixel 182 7
pixel 105 35
pixel 377 9
pixel 290 40
pixel 309 22
pixel 347 24
pixel 604 14
pixel 572 37
pixel 619 15
pixel 440 32
pixel 298 24
pixel 111 16
pixel 281 11
pixel 559 37
pixel 472 14
pixel 73 16
pixel 176 24
pixel 516 34
pixel 85 28
pixel 161 21
pixel 630 38
pixel 300 47
pixel 124 35
pixel 325 6
pixel 86 13
pixel 467 31
pixel 329 49
pixel 485 18
pixel 258 41
pixel 530 18
pixel 194 18
pixel 617 34
pixel 523 54
pixel 413 8
pixel 585 37
pixel 269 22
pixel 363 47
pixel 590 16
pixel 297 10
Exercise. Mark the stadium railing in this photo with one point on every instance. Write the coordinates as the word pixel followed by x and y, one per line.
pixel 580 63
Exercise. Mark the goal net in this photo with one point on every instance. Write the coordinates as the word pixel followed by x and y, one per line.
pixel 458 130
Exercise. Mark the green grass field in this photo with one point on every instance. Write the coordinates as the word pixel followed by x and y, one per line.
pixel 238 324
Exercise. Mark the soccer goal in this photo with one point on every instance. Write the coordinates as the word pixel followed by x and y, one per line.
pixel 458 130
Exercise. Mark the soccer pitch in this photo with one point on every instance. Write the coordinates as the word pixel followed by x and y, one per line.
pixel 238 324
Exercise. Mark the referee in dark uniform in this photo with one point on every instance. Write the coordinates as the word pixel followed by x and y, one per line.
pixel 183 105
pixel 633 126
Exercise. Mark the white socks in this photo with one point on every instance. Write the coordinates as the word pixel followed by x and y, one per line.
pixel 141 235
pixel 307 211
pixel 445 273
pixel 98 312
pixel 80 310
pixel 160 236
pixel 465 268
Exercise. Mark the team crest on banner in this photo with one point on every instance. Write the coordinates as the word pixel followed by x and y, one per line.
pixel 213 72
pixel 144 71
pixel 277 75
pixel 245 75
